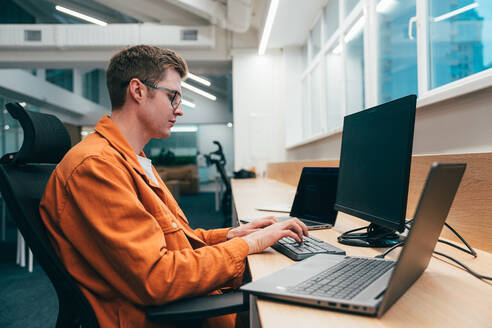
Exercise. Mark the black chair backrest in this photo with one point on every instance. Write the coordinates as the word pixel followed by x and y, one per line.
pixel 23 178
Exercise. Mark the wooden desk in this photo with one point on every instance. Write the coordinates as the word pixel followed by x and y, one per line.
pixel 444 296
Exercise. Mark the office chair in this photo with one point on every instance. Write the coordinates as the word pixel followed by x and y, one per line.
pixel 23 178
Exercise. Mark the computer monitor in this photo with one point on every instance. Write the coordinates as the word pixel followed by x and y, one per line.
pixel 374 170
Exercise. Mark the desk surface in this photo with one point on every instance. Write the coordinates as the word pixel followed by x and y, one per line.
pixel 445 295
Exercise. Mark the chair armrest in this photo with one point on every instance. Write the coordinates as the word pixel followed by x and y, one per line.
pixel 199 307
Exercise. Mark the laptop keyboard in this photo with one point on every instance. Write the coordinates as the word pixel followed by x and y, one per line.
pixel 344 280
pixel 309 247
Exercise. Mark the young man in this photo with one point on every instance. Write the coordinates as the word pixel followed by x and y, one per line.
pixel 115 225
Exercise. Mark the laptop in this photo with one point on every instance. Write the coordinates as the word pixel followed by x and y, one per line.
pixel 326 281
pixel 315 198
pixel 281 207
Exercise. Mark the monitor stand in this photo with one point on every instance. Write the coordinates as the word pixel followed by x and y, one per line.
pixel 376 236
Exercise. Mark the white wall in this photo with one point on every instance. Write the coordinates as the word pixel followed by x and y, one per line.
pixel 264 88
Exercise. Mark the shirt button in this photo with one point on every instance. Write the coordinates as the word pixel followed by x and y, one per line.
pixel 174 224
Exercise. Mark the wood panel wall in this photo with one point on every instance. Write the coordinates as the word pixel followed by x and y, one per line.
pixel 471 213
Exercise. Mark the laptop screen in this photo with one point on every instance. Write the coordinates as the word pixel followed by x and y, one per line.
pixel 316 195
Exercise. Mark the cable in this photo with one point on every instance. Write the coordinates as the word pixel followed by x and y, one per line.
pixel 382 255
pixel 479 276
pixel 470 250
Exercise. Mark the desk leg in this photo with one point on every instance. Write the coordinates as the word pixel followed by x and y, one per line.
pixel 254 321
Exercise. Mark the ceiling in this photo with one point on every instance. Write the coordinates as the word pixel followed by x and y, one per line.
pixel 291 25
pixel 293 21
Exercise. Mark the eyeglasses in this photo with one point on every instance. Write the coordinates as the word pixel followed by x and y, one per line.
pixel 176 96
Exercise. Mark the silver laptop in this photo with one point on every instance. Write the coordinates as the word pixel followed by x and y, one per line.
pixel 327 281
pixel 315 198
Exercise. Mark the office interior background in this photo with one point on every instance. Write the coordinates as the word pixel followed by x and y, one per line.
pixel 279 75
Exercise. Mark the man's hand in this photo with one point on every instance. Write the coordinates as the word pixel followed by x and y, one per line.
pixel 263 238
pixel 251 227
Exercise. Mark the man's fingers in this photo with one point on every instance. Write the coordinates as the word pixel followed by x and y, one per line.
pixel 265 222
pixel 296 226
pixel 303 227
pixel 290 233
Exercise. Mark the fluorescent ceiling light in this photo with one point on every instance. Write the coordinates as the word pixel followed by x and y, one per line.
pixel 184 128
pixel 199 79
pixel 455 12
pixel 272 11
pixel 199 91
pixel 337 50
pixel 188 103
pixel 355 30
pixel 386 6
pixel 81 16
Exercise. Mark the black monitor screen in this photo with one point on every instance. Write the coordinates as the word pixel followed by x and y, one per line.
pixel 375 163
pixel 316 195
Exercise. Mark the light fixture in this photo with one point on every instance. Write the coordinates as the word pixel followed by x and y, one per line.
pixel 272 11
pixel 184 128
pixel 199 91
pixel 23 104
pixel 355 30
pixel 386 6
pixel 229 125
pixel 84 133
pixel 455 12
pixel 81 16
pixel 337 50
pixel 6 127
pixel 188 103
pixel 199 79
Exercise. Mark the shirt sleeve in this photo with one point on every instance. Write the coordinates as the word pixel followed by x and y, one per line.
pixel 212 237
pixel 124 243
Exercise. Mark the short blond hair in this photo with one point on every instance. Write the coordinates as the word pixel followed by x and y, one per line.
pixel 146 63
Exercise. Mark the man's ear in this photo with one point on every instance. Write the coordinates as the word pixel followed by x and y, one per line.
pixel 136 91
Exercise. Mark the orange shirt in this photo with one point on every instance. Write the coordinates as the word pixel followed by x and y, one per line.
pixel 124 238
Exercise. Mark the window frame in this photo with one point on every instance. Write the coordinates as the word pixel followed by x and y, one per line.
pixel 426 95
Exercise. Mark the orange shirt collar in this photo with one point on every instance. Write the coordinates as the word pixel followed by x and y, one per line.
pixel 108 130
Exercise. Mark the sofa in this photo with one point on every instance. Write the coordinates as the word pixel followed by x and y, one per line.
pixel 185 176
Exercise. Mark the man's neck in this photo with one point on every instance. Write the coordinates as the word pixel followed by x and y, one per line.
pixel 130 129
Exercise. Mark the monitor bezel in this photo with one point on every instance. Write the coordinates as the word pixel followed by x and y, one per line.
pixel 410 100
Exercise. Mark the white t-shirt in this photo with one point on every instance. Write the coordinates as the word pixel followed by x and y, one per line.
pixel 147 167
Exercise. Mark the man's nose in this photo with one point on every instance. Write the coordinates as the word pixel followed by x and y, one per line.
pixel 179 110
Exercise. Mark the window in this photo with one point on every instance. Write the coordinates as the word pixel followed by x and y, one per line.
pixel 334 91
pixel 316 98
pixel 306 109
pixel 304 55
pixel 90 85
pixel 316 39
pixel 373 51
pixel 61 77
pixel 354 67
pixel 397 53
pixel 331 18
pixel 460 39
pixel 349 5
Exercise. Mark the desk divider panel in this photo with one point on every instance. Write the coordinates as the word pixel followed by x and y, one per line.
pixel 471 213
